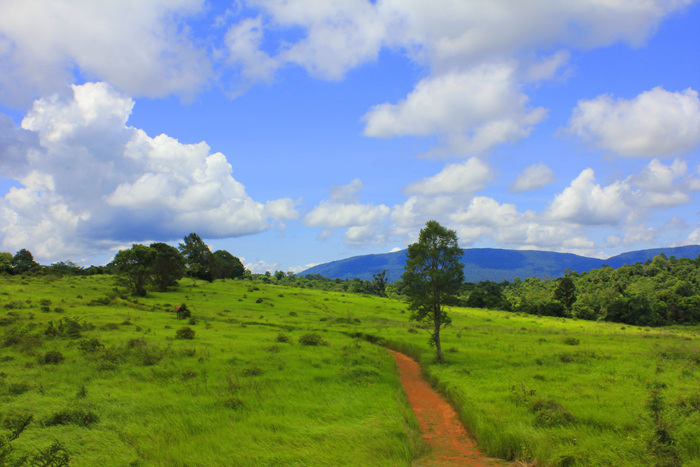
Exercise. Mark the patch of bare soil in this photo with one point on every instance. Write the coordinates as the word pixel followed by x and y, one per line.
pixel 441 429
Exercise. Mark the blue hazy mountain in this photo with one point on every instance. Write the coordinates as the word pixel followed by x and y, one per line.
pixel 496 264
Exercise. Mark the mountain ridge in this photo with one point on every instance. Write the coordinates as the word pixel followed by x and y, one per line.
pixel 495 264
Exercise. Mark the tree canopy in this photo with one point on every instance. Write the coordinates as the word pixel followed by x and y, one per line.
pixel 199 258
pixel 133 267
pixel 23 262
pixel 168 266
pixel 432 277
pixel 226 266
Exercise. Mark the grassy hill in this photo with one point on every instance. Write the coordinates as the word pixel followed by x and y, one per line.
pixel 246 390
pixel 494 264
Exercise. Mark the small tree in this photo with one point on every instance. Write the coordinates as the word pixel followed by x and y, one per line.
pixel 432 277
pixel 379 281
pixel 133 267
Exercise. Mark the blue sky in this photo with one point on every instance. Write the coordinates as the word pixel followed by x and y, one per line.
pixel 292 133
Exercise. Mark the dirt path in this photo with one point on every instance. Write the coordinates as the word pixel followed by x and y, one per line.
pixel 439 425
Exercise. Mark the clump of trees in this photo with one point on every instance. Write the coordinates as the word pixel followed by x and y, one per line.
pixel 21 263
pixel 163 265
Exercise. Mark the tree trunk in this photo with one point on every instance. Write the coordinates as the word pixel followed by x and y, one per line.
pixel 436 339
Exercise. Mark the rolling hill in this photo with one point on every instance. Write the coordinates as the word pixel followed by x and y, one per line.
pixel 495 264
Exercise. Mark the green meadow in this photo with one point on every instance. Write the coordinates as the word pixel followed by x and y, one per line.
pixel 280 375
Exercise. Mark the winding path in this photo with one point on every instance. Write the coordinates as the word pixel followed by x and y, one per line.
pixel 439 424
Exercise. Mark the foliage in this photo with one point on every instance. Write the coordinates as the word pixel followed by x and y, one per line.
pixel 133 267
pixel 659 292
pixel 379 282
pixel 432 277
pixel 52 357
pixel 65 268
pixel 23 262
pixel 311 339
pixel 185 332
pixel 5 262
pixel 485 294
pixel 198 256
pixel 565 292
pixel 168 266
pixel 53 456
pixel 226 266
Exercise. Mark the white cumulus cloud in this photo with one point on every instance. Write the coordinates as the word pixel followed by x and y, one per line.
pixel 472 111
pixel 656 123
pixel 533 177
pixel 465 177
pixel 90 181
pixel 139 46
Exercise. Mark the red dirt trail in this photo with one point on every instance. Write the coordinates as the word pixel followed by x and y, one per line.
pixel 439 425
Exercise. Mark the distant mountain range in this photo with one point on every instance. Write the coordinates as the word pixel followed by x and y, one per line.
pixel 496 265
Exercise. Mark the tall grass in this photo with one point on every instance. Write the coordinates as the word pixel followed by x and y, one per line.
pixel 247 391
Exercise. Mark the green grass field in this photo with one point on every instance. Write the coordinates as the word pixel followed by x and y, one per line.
pixel 246 391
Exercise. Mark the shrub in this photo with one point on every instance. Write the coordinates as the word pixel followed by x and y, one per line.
pixel 281 337
pixel 251 370
pixel 259 300
pixel 185 332
pixel 52 357
pixel 233 403
pixel 571 341
pixel 549 412
pixel 17 388
pixel 138 342
pixel 189 374
pixel 91 345
pixel 311 339
pixel 77 416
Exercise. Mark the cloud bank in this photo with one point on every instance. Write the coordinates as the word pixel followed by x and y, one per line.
pixel 89 181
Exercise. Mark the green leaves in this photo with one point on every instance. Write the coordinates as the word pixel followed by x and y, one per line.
pixel 432 277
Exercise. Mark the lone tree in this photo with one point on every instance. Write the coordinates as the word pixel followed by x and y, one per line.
pixel 432 277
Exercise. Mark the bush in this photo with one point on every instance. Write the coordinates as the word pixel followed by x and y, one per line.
pixel 549 413
pixel 233 403
pixel 78 416
pixel 281 337
pixel 251 370
pixel 571 341
pixel 185 332
pixel 311 339
pixel 52 357
pixel 91 345
pixel 17 388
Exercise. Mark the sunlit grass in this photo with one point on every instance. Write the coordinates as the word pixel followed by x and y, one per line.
pixel 244 391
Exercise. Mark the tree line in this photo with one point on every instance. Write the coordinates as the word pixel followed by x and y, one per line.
pixel 661 291
pixel 159 265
